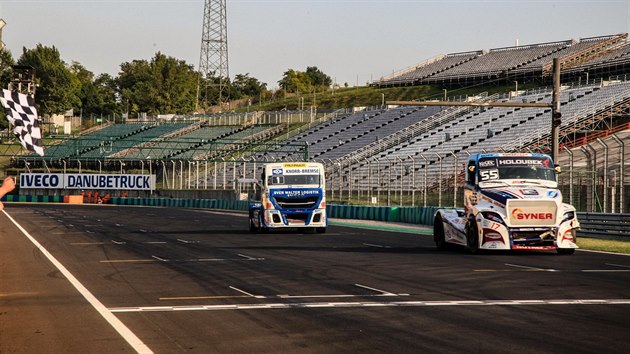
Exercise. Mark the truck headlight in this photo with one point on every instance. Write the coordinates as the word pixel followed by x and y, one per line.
pixel 568 216
pixel 492 216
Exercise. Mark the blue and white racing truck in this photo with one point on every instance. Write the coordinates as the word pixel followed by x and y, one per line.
pixel 292 195
pixel 511 202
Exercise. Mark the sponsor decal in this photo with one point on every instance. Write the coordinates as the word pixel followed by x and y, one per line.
pixel 276 171
pixel 492 236
pixel 487 163
pixel 295 193
pixel 86 181
pixel 293 165
pixel 553 194
pixel 301 171
pixel 519 214
pixel 529 192
pixel 544 162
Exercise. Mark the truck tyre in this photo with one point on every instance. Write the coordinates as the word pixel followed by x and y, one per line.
pixel 252 227
pixel 438 233
pixel 320 230
pixel 565 250
pixel 472 237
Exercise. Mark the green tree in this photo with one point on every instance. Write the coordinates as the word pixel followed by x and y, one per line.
pixel 318 78
pixel 106 91
pixel 57 87
pixel 311 80
pixel 244 85
pixel 164 85
pixel 295 81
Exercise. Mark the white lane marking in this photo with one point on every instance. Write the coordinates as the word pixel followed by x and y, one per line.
pixel 246 293
pixel 373 304
pixel 120 327
pixel 530 268
pixel 250 258
pixel 383 292
pixel 618 265
pixel 377 246
pixel 187 241
pixel 119 242
pixel 159 259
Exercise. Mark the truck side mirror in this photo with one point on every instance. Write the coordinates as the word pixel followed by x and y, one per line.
pixel 558 169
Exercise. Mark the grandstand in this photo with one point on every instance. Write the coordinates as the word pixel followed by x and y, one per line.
pixel 528 62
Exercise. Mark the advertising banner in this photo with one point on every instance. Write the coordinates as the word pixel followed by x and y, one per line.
pixel 87 181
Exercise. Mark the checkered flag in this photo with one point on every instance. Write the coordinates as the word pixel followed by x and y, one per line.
pixel 21 112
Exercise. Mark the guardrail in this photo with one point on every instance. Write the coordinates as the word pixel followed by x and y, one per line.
pixel 604 225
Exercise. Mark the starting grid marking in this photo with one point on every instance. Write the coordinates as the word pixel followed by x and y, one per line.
pixel 370 304
pixel 157 259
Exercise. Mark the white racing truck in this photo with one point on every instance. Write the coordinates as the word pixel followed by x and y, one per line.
pixel 511 202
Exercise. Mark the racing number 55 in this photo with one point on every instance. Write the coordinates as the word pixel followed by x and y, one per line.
pixel 489 174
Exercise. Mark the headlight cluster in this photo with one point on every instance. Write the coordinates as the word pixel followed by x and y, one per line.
pixel 568 216
pixel 492 216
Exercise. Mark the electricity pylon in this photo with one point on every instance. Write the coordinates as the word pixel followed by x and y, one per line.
pixel 213 61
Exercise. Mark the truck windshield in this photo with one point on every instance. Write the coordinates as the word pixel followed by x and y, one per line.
pixel 527 172
pixel 529 167
pixel 294 180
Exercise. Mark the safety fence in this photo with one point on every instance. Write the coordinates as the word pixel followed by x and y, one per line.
pixel 604 225
pixel 411 215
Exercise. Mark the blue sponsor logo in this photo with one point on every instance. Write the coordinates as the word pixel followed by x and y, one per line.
pixel 553 194
pixel 276 171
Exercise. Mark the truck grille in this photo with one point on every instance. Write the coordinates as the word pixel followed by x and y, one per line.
pixel 297 203
pixel 536 237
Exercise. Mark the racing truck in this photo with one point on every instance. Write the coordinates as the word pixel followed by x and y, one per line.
pixel 291 195
pixel 511 202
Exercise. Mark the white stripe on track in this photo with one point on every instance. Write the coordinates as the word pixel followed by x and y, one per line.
pixel 268 306
pixel 120 327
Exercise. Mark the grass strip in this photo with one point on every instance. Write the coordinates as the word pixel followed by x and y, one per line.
pixel 606 245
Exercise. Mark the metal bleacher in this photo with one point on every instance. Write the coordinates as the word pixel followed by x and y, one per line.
pixel 108 146
pixel 497 129
pixel 518 61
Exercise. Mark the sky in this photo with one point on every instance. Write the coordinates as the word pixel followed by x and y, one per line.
pixel 352 41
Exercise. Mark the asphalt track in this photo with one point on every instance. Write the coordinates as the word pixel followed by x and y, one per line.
pixel 103 279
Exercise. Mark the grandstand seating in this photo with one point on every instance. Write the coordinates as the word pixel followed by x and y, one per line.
pixel 500 60
pixel 108 147
pixel 75 147
pixel 421 72
pixel 519 61
pixel 512 130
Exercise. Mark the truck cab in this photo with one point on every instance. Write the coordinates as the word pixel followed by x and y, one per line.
pixel 291 195
pixel 511 202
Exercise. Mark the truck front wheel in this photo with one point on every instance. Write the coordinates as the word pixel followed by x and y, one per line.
pixel 472 237
pixel 438 233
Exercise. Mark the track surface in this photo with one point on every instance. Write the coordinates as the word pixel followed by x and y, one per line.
pixel 198 281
